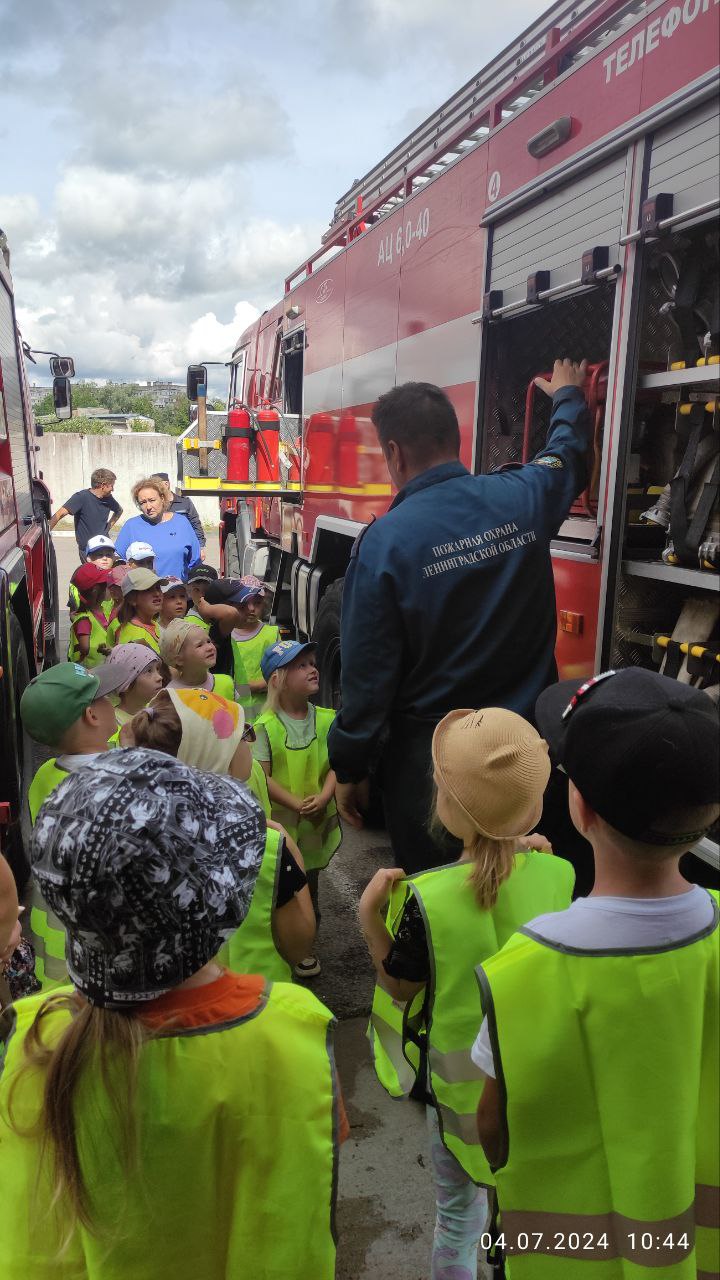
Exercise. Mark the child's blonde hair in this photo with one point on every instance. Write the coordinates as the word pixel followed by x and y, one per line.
pixel 276 684
pixel 491 860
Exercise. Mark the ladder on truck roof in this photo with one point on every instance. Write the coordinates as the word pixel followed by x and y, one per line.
pixel 567 32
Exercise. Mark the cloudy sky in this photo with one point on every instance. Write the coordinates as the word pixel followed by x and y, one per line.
pixel 165 163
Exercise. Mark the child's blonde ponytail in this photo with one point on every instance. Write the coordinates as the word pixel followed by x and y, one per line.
pixel 492 862
pixel 95 1038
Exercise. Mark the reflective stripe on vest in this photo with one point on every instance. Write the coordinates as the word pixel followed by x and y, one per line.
pixel 47 935
pixel 302 771
pixel 236 1120
pixel 611 1123
pixel 459 934
pixel 257 782
pixel 396 1057
pixel 251 949
pixel 246 663
pixel 98 636
pixel 45 931
pixel 128 632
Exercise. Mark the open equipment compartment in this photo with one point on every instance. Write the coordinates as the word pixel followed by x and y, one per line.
pixel 664 613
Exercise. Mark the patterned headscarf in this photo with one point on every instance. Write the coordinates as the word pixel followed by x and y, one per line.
pixel 150 865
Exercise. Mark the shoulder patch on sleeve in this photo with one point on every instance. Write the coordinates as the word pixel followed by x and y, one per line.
pixel 549 460
pixel 361 535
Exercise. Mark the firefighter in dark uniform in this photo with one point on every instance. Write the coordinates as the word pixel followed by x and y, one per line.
pixel 449 598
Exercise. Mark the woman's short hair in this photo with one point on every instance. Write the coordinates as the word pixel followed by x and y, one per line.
pixel 152 482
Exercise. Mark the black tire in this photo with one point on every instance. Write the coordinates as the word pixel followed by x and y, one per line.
pixel 20 756
pixel 231 556
pixel 52 604
pixel 326 635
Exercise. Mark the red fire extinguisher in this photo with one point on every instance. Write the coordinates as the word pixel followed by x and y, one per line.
pixel 267 446
pixel 239 441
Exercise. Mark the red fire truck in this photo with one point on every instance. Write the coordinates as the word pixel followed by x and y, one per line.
pixel 28 574
pixel 564 201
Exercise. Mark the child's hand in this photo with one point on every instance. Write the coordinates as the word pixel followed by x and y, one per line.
pixel 105 650
pixel 377 892
pixel 312 807
pixel 538 842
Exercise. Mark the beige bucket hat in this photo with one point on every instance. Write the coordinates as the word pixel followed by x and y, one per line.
pixel 495 766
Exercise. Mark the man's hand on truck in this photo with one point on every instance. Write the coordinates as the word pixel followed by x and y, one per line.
pixel 566 373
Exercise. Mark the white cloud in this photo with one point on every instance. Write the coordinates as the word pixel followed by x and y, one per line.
pixel 188 131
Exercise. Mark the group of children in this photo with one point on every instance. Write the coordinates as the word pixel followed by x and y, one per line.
pixel 176 1111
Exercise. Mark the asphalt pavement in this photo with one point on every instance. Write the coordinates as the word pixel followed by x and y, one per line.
pixel 385 1197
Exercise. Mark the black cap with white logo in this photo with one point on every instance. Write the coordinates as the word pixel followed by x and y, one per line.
pixel 637 745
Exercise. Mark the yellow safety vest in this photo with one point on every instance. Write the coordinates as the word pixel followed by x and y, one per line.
pixel 246 661
pixel 251 949
pixel 459 936
pixel 238 1154
pixel 46 932
pixel 224 686
pixel 127 632
pixel 98 636
pixel 302 771
pixel 608 1063
pixel 257 782
pixel 193 616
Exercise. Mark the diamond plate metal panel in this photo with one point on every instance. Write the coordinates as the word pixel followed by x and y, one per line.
pixel 526 345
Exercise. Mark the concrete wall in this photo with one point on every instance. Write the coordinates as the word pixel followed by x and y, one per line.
pixel 68 460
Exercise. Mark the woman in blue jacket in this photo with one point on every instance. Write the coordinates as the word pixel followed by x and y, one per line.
pixel 169 533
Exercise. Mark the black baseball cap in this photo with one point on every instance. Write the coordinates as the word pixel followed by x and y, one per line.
pixel 222 590
pixel 203 573
pixel 637 745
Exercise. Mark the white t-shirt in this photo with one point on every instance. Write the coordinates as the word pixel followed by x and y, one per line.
pixel 612 924
pixel 72 763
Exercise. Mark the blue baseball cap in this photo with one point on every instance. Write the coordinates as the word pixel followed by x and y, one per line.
pixel 280 654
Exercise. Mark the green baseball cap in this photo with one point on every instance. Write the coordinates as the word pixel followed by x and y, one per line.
pixel 57 698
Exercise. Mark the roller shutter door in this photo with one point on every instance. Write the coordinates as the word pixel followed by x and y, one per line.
pixel 685 159
pixel 552 234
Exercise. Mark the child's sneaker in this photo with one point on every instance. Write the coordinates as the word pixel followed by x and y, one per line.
pixel 308 968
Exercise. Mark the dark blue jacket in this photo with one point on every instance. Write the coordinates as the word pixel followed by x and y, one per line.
pixel 449 598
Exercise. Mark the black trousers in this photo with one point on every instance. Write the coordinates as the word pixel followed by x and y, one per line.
pixel 406 780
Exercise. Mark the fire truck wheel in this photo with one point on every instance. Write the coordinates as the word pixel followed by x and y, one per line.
pixel 22 754
pixel 326 635
pixel 52 624
pixel 231 557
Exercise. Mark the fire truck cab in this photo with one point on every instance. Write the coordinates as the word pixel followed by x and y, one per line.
pixel 563 202
pixel 29 601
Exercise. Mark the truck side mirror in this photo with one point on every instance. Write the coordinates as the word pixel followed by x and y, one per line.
pixel 62 367
pixel 196 377
pixel 62 397
pixel 39 430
